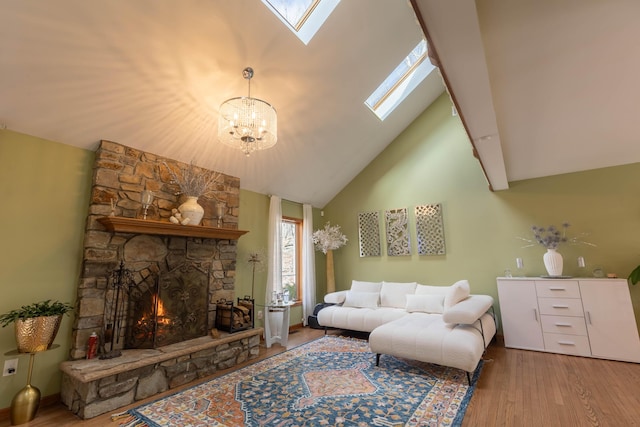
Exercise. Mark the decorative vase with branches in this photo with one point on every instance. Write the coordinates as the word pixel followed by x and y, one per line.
pixel 193 182
pixel 327 240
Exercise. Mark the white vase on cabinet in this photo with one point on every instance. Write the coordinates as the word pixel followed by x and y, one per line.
pixel 553 262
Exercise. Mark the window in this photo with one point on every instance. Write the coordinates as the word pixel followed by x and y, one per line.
pixel 303 17
pixel 399 84
pixel 291 257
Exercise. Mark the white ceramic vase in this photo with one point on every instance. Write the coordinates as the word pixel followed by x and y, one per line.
pixel 553 262
pixel 192 210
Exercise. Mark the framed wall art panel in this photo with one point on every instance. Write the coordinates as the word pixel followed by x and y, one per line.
pixel 397 227
pixel 369 233
pixel 430 230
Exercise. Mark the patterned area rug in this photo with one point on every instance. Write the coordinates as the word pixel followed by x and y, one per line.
pixel 332 381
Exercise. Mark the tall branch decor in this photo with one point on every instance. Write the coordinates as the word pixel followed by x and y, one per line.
pixel 327 240
pixel 256 260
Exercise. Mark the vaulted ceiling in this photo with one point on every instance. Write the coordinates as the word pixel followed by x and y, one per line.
pixel 543 87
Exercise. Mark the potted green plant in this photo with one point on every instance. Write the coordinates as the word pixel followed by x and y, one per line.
pixel 634 277
pixel 36 325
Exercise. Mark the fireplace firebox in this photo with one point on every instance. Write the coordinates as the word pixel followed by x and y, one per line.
pixel 168 308
pixel 156 310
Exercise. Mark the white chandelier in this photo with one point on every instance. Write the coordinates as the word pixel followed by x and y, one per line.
pixel 246 123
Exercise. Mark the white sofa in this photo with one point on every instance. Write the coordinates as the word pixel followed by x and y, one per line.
pixel 445 325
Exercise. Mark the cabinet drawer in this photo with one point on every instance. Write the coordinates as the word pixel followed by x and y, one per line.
pixel 558 289
pixel 564 325
pixel 560 306
pixel 567 344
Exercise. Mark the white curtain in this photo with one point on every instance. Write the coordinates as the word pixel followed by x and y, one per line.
pixel 308 264
pixel 274 252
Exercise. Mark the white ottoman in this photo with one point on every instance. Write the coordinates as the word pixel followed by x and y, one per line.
pixel 427 338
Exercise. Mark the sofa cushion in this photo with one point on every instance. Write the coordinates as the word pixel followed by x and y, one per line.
pixel 395 294
pixel 358 286
pixel 359 319
pixel 431 290
pixel 361 299
pixel 425 303
pixel 456 293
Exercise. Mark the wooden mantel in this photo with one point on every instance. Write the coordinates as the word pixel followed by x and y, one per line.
pixel 165 228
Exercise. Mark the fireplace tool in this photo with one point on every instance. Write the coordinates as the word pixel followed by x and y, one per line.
pixel 120 282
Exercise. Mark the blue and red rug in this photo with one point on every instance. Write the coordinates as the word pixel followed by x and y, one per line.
pixel 332 381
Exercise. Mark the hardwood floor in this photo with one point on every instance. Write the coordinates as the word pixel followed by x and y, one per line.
pixel 516 388
pixel 529 388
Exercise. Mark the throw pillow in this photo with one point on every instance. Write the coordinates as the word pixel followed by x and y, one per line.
pixel 425 303
pixel 394 294
pixel 359 286
pixel 361 299
pixel 456 293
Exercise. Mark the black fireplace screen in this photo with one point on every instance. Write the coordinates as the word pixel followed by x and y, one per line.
pixel 168 308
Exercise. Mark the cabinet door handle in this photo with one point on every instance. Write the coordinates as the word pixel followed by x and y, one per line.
pixel 556 288
pixel 589 318
pixel 535 313
pixel 566 325
pixel 560 306
pixel 566 343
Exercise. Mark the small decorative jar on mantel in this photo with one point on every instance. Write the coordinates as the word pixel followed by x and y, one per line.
pixel 192 210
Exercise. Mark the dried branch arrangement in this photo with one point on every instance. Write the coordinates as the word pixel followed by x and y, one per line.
pixel 194 181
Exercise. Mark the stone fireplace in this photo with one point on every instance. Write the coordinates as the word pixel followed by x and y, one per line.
pixel 120 175
pixel 177 275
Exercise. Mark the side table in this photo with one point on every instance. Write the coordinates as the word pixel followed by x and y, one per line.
pixel 276 324
pixel 26 402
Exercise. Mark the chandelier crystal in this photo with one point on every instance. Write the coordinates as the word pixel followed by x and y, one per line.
pixel 248 124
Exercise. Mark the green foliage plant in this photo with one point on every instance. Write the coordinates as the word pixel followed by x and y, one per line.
pixel 634 277
pixel 37 309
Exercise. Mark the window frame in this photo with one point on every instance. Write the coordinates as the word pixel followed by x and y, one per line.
pixel 399 86
pixel 312 20
pixel 297 222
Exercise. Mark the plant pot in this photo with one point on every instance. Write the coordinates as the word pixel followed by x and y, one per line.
pixel 553 262
pixel 191 209
pixel 37 333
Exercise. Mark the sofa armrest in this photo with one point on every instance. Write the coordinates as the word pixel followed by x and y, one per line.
pixel 469 310
pixel 335 297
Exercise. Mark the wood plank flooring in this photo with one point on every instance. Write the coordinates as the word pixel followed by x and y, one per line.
pixel 516 388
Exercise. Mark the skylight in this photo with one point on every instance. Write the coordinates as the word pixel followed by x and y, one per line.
pixel 303 17
pixel 399 84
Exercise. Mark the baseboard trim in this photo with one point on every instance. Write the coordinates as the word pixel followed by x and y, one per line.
pixel 296 327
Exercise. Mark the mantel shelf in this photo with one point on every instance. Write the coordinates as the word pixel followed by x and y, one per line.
pixel 147 226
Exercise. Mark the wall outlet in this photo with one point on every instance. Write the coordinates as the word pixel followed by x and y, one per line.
pixel 260 315
pixel 10 367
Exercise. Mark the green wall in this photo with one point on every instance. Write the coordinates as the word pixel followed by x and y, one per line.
pixel 45 188
pixel 432 162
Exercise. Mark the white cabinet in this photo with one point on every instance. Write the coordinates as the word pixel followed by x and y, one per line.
pixel 520 303
pixel 584 317
pixel 610 320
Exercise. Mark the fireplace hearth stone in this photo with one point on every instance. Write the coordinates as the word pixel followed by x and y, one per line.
pixel 94 387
